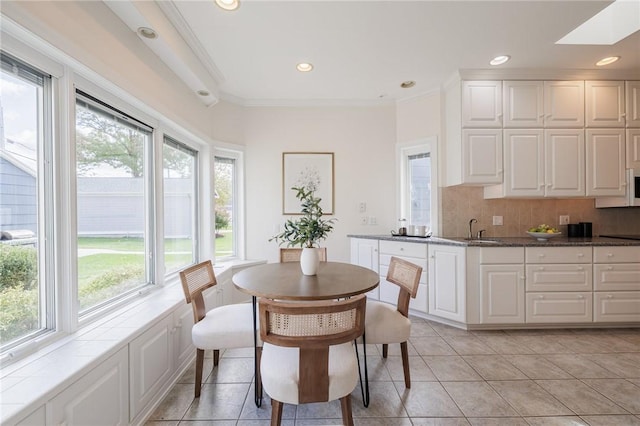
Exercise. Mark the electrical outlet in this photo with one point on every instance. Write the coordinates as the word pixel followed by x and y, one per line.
pixel 564 219
pixel 373 220
pixel 362 207
pixel 364 220
pixel 497 220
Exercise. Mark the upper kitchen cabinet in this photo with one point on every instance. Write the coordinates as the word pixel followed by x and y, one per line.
pixel 474 155
pixel 564 104
pixel 481 104
pixel 633 148
pixel 523 104
pixel 605 162
pixel 604 105
pixel 632 95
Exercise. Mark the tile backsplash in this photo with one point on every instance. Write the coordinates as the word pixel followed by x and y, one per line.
pixel 461 203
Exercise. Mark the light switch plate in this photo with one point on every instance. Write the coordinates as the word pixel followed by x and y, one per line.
pixel 564 219
pixel 497 220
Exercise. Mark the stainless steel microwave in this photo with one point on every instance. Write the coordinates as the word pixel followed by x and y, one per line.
pixel 632 196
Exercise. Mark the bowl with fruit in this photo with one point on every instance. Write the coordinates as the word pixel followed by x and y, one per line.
pixel 543 232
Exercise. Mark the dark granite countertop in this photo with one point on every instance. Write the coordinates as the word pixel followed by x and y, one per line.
pixel 507 241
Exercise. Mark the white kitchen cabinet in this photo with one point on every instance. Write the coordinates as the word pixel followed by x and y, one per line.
pixel 101 397
pixel 632 96
pixel 415 253
pixel 559 284
pixel 502 285
pixel 523 163
pixel 447 269
pixel 151 364
pixel 473 154
pixel 482 104
pixel 523 104
pixel 482 156
pixel 537 163
pixel 605 164
pixel 364 252
pixel 564 104
pixel 633 148
pixel 564 162
pixel 558 308
pixel 616 273
pixel 604 103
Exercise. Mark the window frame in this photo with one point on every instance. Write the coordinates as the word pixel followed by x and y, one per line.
pixel 238 203
pixel 403 152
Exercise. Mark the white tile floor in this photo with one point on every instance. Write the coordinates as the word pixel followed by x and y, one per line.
pixel 536 377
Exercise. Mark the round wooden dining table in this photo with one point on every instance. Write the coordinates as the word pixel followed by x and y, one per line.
pixel 285 281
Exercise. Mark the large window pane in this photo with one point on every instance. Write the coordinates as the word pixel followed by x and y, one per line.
pixel 113 203
pixel 225 195
pixel 25 143
pixel 180 205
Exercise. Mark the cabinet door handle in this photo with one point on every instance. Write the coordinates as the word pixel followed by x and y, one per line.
pixel 432 256
pixel 580 268
pixel 522 277
pixel 609 254
pixel 540 297
pixel 401 248
pixel 541 255
pixel 580 254
pixel 609 268
pixel 540 268
pixel 609 296
pixel 580 296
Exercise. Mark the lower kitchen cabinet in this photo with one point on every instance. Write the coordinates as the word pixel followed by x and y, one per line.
pixel 616 306
pixel 101 397
pixel 558 307
pixel 502 294
pixel 447 296
pixel 364 252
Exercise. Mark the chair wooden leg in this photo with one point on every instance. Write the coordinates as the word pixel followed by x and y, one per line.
pixel 216 357
pixel 405 364
pixel 258 378
pixel 347 414
pixel 385 350
pixel 276 412
pixel 199 366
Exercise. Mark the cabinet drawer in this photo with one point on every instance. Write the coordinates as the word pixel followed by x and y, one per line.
pixel 619 276
pixel 559 307
pixel 616 306
pixel 401 248
pixel 572 277
pixel 558 254
pixel 384 269
pixel 616 254
pixel 502 255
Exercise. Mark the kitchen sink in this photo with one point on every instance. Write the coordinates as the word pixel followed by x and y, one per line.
pixel 482 241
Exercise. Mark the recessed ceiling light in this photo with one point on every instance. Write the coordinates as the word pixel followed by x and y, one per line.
pixel 304 67
pixel 407 84
pixel 607 61
pixel 228 4
pixel 203 92
pixel 147 32
pixel 499 60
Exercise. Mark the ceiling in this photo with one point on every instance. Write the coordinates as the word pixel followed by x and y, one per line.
pixel 362 50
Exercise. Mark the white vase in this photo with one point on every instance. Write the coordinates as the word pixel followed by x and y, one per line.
pixel 309 260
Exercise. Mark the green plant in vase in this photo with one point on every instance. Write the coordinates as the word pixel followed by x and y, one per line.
pixel 308 230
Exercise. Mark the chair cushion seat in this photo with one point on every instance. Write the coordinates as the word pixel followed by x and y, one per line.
pixel 279 371
pixel 384 324
pixel 225 327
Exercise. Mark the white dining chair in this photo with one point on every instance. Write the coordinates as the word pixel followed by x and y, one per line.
pixel 386 323
pixel 223 327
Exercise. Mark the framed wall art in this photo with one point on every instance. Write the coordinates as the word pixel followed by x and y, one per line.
pixel 313 170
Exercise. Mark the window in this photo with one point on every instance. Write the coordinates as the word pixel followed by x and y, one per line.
pixel 226 210
pixel 114 204
pixel 418 184
pixel 180 205
pixel 26 179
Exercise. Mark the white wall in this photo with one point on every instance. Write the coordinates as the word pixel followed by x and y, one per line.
pixel 363 142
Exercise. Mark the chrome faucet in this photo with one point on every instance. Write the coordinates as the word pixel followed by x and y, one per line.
pixel 480 233
pixel 471 222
